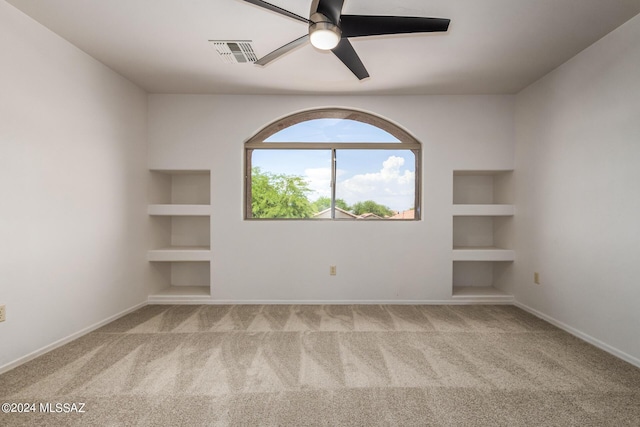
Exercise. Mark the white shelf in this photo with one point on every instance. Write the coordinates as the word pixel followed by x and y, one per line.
pixel 481 293
pixel 194 253
pixel 175 294
pixel 483 210
pixel 483 254
pixel 179 210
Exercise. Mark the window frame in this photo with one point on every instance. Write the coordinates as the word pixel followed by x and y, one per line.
pixel 406 142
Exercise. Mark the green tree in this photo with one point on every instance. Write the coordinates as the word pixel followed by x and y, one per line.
pixel 279 195
pixel 369 206
pixel 325 203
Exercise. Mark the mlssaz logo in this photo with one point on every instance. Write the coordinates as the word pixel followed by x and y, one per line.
pixel 62 408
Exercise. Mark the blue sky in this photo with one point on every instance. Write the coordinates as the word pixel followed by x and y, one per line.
pixel 385 176
pixel 332 130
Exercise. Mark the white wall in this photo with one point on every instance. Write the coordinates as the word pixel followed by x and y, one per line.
pixel 289 260
pixel 578 193
pixel 72 186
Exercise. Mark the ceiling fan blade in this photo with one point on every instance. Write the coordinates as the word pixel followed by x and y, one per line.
pixel 329 8
pixel 282 50
pixel 362 25
pixel 277 9
pixel 345 52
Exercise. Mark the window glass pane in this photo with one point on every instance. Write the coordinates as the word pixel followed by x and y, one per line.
pixel 374 172
pixel 375 184
pixel 332 130
pixel 287 183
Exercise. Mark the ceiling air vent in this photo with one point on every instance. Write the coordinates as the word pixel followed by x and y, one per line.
pixel 235 51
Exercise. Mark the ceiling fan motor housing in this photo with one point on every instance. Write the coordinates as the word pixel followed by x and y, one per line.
pixel 323 33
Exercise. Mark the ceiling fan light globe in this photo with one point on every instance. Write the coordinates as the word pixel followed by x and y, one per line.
pixel 324 36
pixel 324 39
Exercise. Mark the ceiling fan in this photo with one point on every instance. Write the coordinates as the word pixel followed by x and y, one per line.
pixel 329 29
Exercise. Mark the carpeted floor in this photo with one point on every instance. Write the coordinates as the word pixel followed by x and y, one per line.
pixel 364 365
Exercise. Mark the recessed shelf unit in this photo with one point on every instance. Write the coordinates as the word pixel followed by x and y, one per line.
pixel 180 253
pixel 180 187
pixel 475 280
pixel 482 237
pixel 181 282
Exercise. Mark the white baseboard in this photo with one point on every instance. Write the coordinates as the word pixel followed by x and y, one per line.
pixel 65 340
pixel 575 332
pixel 461 301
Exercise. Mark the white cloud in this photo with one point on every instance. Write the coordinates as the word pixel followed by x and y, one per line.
pixel 391 186
pixel 319 180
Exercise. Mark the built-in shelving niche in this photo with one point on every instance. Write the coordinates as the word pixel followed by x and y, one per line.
pixel 180 243
pixel 482 234
pixel 183 280
pixel 480 280
pixel 180 187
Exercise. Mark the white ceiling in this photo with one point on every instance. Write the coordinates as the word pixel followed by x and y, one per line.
pixel 492 46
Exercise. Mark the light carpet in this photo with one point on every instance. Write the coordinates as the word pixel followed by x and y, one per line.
pixel 305 365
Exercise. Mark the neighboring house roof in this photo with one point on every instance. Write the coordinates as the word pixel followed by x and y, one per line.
pixel 340 213
pixel 410 214
pixel 369 216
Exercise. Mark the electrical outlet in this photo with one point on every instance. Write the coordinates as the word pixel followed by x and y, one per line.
pixel 536 278
pixel 3 313
pixel 332 270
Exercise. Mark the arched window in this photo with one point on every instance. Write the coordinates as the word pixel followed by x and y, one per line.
pixel 332 164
